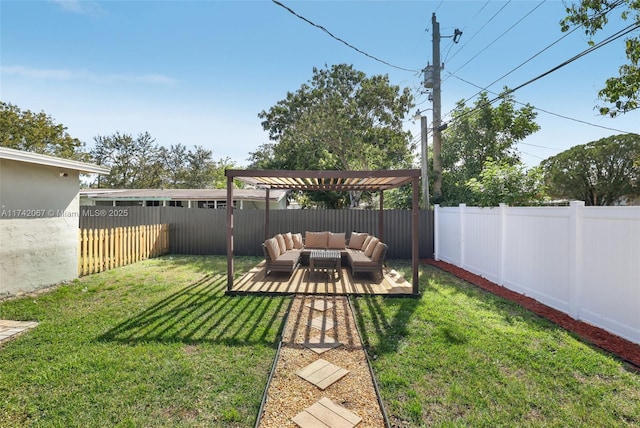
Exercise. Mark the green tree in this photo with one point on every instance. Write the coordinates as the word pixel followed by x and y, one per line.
pixel 139 163
pixel 476 135
pixel 601 172
pixel 37 132
pixel 622 93
pixel 503 182
pixel 341 119
pixel 174 166
pixel 135 162
pixel 219 179
pixel 201 169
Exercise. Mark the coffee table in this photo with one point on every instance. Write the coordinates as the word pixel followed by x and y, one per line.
pixel 328 260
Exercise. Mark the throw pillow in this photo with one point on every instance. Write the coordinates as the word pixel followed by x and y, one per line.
pixel 281 244
pixel 366 242
pixel 272 248
pixel 356 240
pixel 297 241
pixel 377 252
pixel 288 240
pixel 372 245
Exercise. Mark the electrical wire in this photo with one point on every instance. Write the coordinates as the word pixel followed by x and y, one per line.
pixel 593 48
pixel 500 36
pixel 598 45
pixel 480 29
pixel 481 9
pixel 601 13
pixel 288 9
pixel 522 64
pixel 451 44
pixel 550 112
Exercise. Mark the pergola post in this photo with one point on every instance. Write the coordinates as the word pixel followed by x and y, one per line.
pixel 267 235
pixel 414 234
pixel 381 217
pixel 229 233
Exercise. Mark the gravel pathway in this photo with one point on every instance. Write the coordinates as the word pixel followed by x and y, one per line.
pixel 289 394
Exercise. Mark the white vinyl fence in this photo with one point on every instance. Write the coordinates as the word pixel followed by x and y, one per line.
pixel 583 261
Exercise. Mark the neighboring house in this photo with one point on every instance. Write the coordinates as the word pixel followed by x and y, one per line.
pixel 186 198
pixel 39 219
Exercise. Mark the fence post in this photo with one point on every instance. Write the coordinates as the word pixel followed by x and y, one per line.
pixel 101 250
pixel 502 220
pixel 94 253
pixel 462 208
pixel 80 252
pixel 436 232
pixel 575 259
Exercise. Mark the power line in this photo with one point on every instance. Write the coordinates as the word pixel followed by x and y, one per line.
pixel 480 29
pixel 598 45
pixel 549 112
pixel 339 39
pixel 593 48
pixel 601 13
pixel 451 44
pixel 522 64
pixel 500 36
pixel 481 9
pixel 531 154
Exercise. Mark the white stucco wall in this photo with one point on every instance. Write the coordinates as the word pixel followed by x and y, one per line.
pixel 38 226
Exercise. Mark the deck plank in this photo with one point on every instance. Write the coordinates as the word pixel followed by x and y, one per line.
pixel 301 282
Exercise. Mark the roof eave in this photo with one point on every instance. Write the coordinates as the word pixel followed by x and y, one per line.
pixel 39 159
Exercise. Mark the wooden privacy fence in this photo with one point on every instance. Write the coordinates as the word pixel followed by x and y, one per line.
pixel 103 249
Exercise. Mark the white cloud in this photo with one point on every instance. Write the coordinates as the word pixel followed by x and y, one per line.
pixel 83 75
pixel 83 7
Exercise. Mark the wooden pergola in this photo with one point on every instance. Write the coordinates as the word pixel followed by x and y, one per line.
pixel 371 181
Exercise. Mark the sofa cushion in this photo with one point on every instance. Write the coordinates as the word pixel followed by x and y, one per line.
pixel 356 240
pixel 297 241
pixel 377 252
pixel 281 243
pixel 288 259
pixel 371 246
pixel 336 241
pixel 272 248
pixel 357 258
pixel 288 240
pixel 318 240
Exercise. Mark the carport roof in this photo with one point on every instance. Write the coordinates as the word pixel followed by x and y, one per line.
pixel 325 180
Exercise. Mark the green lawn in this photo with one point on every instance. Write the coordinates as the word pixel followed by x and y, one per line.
pixel 158 344
pixel 459 356
pixel 151 344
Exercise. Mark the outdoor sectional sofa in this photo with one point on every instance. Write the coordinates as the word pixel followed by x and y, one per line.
pixel 363 252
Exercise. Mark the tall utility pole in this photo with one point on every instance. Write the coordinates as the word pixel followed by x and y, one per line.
pixel 432 80
pixel 424 148
pixel 437 142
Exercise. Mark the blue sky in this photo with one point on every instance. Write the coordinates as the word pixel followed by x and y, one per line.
pixel 199 72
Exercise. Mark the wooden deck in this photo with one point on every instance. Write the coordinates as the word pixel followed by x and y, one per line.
pixel 303 281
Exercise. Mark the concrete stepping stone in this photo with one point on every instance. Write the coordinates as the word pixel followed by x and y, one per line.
pixel 322 373
pixel 322 323
pixel 320 305
pixel 9 328
pixel 321 344
pixel 324 413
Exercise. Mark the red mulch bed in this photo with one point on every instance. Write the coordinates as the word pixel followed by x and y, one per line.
pixel 625 349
